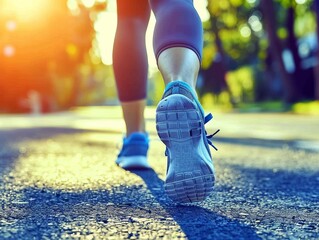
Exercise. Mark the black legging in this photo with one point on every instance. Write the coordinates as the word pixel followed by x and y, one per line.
pixel 177 25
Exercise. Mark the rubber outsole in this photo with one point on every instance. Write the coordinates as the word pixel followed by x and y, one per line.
pixel 133 162
pixel 190 175
pixel 190 190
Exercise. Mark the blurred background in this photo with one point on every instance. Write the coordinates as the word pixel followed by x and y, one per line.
pixel 259 55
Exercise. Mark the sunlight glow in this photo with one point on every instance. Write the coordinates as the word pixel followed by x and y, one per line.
pixel 88 3
pixel 73 6
pixel 26 10
pixel 201 7
pixel 72 172
pixel 105 28
pixel 301 1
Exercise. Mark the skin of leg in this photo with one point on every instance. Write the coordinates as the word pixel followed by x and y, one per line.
pixel 133 114
pixel 175 63
pixel 179 63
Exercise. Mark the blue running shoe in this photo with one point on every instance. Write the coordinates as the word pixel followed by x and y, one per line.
pixel 180 125
pixel 133 154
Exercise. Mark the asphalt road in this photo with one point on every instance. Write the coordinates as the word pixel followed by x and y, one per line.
pixel 58 180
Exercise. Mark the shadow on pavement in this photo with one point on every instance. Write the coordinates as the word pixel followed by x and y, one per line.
pixel 55 214
pixel 297 186
pixel 195 221
pixel 296 144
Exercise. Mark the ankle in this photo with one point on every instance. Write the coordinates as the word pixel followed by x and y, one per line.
pixel 190 84
pixel 142 132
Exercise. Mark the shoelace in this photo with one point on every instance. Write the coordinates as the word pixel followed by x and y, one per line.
pixel 209 138
pixel 209 117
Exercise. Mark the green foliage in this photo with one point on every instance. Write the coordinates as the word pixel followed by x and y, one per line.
pixel 221 103
pixel 282 33
pixel 240 26
pixel 311 108
pixel 267 106
pixel 241 84
pixel 155 88
pixel 230 19
pixel 304 20
pixel 305 24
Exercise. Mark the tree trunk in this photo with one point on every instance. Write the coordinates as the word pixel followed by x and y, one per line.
pixel 223 65
pixel 297 79
pixel 220 50
pixel 276 49
pixel 316 69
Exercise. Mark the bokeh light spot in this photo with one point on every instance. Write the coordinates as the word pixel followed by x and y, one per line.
pixel 88 3
pixel 301 1
pixel 11 25
pixel 72 50
pixel 245 31
pixel 9 51
pixel 255 23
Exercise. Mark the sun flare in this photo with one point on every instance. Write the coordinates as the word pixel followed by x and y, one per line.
pixel 25 10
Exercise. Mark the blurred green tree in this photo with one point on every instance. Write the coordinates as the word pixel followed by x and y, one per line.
pixel 264 35
pixel 229 43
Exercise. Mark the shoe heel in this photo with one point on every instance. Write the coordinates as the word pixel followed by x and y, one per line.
pixel 191 188
pixel 180 127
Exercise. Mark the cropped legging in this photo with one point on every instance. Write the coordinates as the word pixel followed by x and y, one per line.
pixel 177 25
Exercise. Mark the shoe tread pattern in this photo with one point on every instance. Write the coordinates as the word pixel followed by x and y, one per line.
pixel 178 121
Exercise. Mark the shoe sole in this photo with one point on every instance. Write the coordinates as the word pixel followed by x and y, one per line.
pixel 133 162
pixel 190 178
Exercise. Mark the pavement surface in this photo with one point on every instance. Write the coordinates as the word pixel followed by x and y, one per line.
pixel 58 180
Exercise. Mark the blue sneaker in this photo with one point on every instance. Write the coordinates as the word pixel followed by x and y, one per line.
pixel 180 125
pixel 133 154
